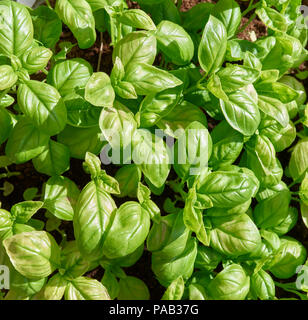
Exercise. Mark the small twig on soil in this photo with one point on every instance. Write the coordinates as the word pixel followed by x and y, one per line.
pixel 101 49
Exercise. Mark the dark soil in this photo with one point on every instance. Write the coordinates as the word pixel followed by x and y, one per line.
pixel 30 178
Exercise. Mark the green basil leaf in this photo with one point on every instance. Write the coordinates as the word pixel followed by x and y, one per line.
pixel 192 150
pixel 79 18
pixel 196 17
pixel 167 270
pixel 73 264
pixel 262 285
pixel 60 197
pixel 298 164
pixel 228 12
pixel 125 90
pixel 272 19
pixel 193 218
pixel 272 211
pixel 42 103
pixel 151 155
pixel 297 86
pixel 14 16
pixel 23 211
pixel 280 137
pixel 137 19
pixel 157 105
pixel 83 288
pixel 278 91
pixel 175 290
pixel 228 189
pixel 99 91
pixel 33 254
pixel 289 257
pixel 180 117
pixel 234 235
pixel 207 258
pixel 136 47
pixel 6 101
pixel 129 229
pixel 215 87
pixel 213 45
pixel 274 109
pixel 81 140
pixel 55 160
pixel 6 224
pixel 227 145
pixel 25 142
pixel 47 26
pixel 7 77
pixel 91 219
pixel 81 113
pixel 117 125
pixel 230 284
pixel 55 288
pixel 6 125
pixel 35 59
pixel 128 177
pixel 241 112
pixel 148 79
pixel 174 42
pixel 70 75
pixel 261 158
pixel 132 288
pixel 234 77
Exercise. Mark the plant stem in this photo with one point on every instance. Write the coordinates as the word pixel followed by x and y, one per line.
pixel 292 184
pixel 289 287
pixel 179 4
pixel 49 5
pixel 246 24
pixel 45 71
pixel 295 199
pixel 176 187
pixel 250 7
pixel 101 49
pixel 299 120
pixel 4 93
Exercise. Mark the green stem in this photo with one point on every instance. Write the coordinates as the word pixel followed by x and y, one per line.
pixel 300 120
pixel 101 49
pixel 292 184
pixel 250 7
pixel 176 187
pixel 49 5
pixel 300 135
pixel 295 199
pixel 179 4
pixel 289 287
pixel 197 85
pixel 45 71
pixel 3 93
pixel 246 24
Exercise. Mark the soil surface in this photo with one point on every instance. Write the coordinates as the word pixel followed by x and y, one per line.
pixel 30 178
